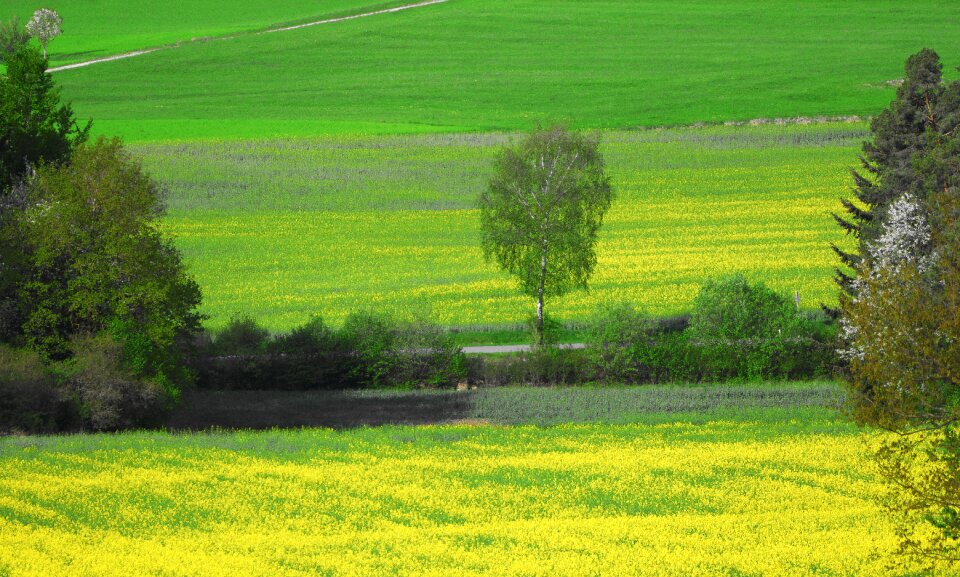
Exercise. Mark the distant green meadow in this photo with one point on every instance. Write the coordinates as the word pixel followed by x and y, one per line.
pixel 100 28
pixel 289 228
pixel 482 65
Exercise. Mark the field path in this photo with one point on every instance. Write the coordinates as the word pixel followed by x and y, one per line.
pixel 267 31
pixel 493 349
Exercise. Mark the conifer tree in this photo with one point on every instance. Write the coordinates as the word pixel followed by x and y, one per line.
pixel 924 109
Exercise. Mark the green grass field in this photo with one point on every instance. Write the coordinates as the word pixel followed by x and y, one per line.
pixel 480 65
pixel 107 27
pixel 744 491
pixel 283 229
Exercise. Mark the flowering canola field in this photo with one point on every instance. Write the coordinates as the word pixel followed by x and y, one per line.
pixel 725 497
pixel 284 229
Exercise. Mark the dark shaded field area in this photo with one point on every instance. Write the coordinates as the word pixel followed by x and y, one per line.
pixel 509 405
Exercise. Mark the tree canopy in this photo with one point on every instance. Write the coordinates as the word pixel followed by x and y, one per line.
pixel 45 25
pixel 98 260
pixel 925 109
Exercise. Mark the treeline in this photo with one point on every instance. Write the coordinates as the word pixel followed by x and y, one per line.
pixel 737 331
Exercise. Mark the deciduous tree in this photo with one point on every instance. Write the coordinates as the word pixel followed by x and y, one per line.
pixel 98 261
pixel 541 212
pixel 45 25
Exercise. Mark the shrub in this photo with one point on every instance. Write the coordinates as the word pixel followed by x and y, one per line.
pixel 626 346
pixel 29 398
pixel 241 336
pixel 312 356
pixel 619 344
pixel 539 367
pixel 401 354
pixel 110 395
pixel 372 339
pixel 748 331
pixel 552 330
pixel 427 356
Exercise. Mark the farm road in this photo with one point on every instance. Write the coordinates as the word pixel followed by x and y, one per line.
pixel 491 349
pixel 267 31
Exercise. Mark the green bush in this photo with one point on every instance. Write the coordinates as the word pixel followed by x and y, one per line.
pixel 241 336
pixel 401 354
pixel 626 346
pixel 110 395
pixel 620 341
pixel 427 356
pixel 29 398
pixel 747 331
pixel 369 351
pixel 312 356
pixel 372 338
pixel 538 368
pixel 552 330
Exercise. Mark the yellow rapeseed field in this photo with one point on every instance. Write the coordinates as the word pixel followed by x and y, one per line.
pixel 285 229
pixel 722 498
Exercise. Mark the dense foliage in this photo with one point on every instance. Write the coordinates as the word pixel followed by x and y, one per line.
pixel 737 330
pixel 925 109
pixel 34 125
pixel 370 350
pixel 902 320
pixel 88 283
pixel 98 261
pixel 12 38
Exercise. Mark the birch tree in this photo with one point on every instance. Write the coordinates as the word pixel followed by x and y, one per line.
pixel 541 212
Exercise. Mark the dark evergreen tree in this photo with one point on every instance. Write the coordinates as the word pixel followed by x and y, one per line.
pixel 901 321
pixel 34 125
pixel 924 110
pixel 34 128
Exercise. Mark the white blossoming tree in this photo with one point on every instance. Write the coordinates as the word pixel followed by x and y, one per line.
pixel 45 25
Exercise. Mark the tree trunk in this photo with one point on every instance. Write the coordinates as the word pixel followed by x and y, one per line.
pixel 543 278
